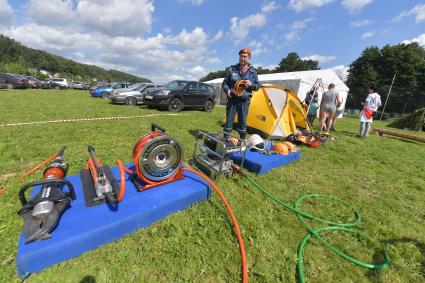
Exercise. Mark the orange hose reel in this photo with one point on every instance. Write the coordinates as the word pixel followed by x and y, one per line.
pixel 157 158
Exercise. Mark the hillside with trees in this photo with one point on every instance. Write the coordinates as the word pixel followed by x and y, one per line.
pixel 19 59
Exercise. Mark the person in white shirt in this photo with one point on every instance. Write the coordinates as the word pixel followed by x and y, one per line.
pixel 373 101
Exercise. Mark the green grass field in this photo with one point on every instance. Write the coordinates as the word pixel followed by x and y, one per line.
pixel 383 177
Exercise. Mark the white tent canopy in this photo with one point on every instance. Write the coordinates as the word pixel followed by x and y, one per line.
pixel 298 82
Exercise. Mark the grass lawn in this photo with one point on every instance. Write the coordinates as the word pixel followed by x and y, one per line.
pixel 383 177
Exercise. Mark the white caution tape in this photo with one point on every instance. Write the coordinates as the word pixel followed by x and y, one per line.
pixel 86 119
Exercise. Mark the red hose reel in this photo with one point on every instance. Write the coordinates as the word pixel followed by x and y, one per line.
pixel 157 158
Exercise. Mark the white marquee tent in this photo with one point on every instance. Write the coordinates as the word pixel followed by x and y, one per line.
pixel 298 82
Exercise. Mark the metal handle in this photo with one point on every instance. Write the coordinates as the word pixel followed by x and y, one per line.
pixel 59 157
pixel 91 149
pixel 61 151
pixel 155 126
pixel 22 191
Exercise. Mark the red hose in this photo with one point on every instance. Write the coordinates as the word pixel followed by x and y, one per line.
pixel 235 222
pixel 122 177
pixel 2 190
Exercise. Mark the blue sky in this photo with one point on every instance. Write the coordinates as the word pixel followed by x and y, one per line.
pixel 172 39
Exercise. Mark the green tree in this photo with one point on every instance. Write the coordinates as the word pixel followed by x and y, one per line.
pixel 377 67
pixel 292 63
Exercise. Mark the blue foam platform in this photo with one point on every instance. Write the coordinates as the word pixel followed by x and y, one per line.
pixel 262 163
pixel 84 228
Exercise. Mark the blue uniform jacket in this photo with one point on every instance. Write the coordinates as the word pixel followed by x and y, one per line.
pixel 234 74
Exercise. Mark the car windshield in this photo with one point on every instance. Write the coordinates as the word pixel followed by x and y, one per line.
pixel 176 85
pixel 137 87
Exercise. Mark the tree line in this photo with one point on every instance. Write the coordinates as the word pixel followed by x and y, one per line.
pixel 22 60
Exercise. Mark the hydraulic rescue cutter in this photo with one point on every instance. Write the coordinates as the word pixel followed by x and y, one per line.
pixel 42 213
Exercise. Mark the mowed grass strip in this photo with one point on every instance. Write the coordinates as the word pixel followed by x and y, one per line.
pixel 383 177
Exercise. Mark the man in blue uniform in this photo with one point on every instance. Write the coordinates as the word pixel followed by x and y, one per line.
pixel 239 102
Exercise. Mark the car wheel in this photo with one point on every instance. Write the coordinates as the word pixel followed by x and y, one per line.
pixel 175 105
pixel 130 101
pixel 208 106
pixel 104 94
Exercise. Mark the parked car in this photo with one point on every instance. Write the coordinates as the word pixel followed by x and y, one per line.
pixel 79 85
pixel 34 82
pixel 59 83
pixel 93 87
pixel 106 91
pixel 179 94
pixel 45 84
pixel 3 83
pixel 14 81
pixel 132 95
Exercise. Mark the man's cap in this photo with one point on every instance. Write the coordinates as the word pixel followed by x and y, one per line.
pixel 245 50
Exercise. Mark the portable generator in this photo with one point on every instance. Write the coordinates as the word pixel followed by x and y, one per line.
pixel 211 154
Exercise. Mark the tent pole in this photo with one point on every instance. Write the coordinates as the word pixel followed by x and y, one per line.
pixel 316 82
pixel 388 96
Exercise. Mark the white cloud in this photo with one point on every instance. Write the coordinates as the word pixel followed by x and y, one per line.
pixel 175 77
pixel 50 12
pixel 355 5
pixel 193 2
pixel 213 60
pixel 191 39
pixel 300 5
pixel 197 70
pixel 319 58
pixel 368 34
pixel 6 13
pixel 296 27
pixel 270 67
pixel 240 28
pixel 217 36
pixel 357 24
pixel 116 17
pixel 341 71
pixel 419 39
pixel 156 57
pixel 418 11
pixel 270 7
pixel 257 45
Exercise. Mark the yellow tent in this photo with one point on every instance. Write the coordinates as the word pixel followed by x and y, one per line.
pixel 275 112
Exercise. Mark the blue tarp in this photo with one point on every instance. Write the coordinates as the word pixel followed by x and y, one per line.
pixel 84 228
pixel 259 163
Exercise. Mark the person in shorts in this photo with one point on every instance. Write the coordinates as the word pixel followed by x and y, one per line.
pixel 328 104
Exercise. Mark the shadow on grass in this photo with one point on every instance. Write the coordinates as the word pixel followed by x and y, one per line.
pixel 420 245
pixel 88 279
pixel 374 274
pixel 350 134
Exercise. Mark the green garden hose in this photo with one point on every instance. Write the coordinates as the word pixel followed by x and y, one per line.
pixel 346 227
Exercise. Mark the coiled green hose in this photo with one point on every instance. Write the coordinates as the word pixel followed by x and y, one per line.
pixel 346 227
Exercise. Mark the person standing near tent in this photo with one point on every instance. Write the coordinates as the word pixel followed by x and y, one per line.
pixel 373 101
pixel 330 100
pixel 311 95
pixel 238 101
pixel 338 112
pixel 312 110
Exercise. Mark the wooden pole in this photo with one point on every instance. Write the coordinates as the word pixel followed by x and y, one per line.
pixel 381 132
pixel 388 96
